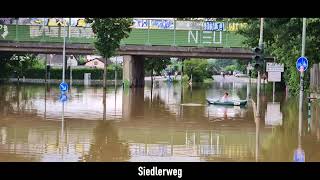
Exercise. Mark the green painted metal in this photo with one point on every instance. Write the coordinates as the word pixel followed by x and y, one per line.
pixel 165 37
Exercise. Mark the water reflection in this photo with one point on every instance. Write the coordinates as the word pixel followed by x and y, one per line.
pixel 150 125
pixel 106 145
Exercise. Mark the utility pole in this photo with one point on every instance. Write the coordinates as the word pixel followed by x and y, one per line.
pixel 70 63
pixel 301 74
pixel 259 76
pixel 64 54
pixel 115 74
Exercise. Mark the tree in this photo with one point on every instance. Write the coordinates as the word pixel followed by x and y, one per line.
pixel 19 64
pixel 156 64
pixel 108 33
pixel 4 63
pixel 282 37
pixel 197 68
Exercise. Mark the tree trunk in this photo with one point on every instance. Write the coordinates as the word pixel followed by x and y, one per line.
pixel 105 74
pixel 152 78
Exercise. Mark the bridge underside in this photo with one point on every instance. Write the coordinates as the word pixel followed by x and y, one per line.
pixel 139 50
pixel 134 55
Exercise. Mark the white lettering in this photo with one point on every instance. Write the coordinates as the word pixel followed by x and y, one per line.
pixel 179 173
pixel 174 172
pixel 147 172
pixel 214 37
pixel 140 171
pixel 195 38
pixel 159 172
pixel 169 172
pixel 207 36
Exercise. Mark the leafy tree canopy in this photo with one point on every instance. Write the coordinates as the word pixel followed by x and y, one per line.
pixel 109 32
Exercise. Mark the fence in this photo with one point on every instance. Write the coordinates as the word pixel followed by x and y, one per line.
pixel 315 78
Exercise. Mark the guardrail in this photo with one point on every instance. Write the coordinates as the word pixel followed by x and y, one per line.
pixel 182 33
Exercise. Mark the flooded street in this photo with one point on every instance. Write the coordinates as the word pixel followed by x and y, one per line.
pixel 161 124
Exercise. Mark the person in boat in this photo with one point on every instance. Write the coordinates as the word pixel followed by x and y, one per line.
pixel 225 97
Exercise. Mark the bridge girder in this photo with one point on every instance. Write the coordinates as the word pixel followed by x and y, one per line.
pixel 138 50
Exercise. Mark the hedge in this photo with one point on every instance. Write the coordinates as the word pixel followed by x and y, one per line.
pixel 96 74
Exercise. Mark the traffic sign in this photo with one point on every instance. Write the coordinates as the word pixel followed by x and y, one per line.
pixel 274 67
pixel 274 76
pixel 63 98
pixel 299 155
pixel 63 87
pixel 302 62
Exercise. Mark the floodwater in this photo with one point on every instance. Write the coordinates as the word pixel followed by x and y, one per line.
pixel 167 123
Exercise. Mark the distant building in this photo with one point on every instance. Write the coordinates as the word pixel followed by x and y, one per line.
pixel 57 60
pixel 116 59
pixel 97 63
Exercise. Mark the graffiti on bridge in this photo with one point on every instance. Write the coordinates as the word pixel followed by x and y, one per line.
pixel 3 31
pixel 38 31
pixel 75 22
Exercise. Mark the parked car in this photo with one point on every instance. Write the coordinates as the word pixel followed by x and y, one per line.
pixel 236 72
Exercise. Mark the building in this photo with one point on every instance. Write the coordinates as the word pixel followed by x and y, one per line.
pixel 96 63
pixel 57 60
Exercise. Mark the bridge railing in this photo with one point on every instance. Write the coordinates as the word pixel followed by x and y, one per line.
pixel 185 33
pixel 50 34
pixel 144 32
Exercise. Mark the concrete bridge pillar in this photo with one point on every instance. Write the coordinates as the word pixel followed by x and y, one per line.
pixel 132 103
pixel 133 71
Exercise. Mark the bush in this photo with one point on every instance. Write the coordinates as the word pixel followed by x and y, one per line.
pixel 198 69
pixel 96 74
pixel 230 68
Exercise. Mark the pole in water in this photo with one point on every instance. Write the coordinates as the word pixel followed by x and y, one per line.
pixel 64 54
pixel 273 91
pixel 301 72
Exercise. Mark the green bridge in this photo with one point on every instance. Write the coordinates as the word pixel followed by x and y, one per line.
pixel 171 38
pixel 84 35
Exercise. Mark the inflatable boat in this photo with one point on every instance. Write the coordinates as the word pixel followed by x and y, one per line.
pixel 228 103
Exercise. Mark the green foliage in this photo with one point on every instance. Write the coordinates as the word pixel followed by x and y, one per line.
pixel 81 59
pixel 230 68
pixel 208 80
pixel 212 68
pixel 109 32
pixel 282 38
pixel 198 69
pixel 19 64
pixel 156 63
pixel 96 74
pixel 4 64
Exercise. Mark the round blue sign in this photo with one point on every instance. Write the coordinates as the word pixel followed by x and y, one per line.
pixel 302 62
pixel 299 155
pixel 63 98
pixel 63 87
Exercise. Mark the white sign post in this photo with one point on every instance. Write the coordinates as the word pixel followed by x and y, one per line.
pixel 274 67
pixel 274 74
